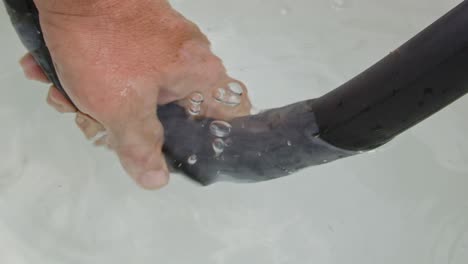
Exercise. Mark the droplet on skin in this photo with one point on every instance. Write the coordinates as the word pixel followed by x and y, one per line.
pixel 192 159
pixel 220 128
pixel 218 146
pixel 235 88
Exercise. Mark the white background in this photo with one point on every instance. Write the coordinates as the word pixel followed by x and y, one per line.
pixel 62 201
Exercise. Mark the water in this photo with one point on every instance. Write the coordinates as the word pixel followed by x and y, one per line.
pixel 63 201
pixel 339 5
pixel 285 11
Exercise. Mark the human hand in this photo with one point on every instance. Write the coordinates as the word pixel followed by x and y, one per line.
pixel 117 60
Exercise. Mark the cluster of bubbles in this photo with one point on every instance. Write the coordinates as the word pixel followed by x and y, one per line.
pixel 230 96
pixel 221 130
pixel 196 99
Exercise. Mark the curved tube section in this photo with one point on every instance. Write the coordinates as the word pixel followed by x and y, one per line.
pixel 426 74
pixel 415 81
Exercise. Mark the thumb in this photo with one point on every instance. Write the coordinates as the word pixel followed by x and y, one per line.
pixel 138 144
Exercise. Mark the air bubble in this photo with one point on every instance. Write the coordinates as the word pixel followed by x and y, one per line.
pixel 235 88
pixel 233 100
pixel 220 94
pixel 192 159
pixel 220 128
pixel 218 146
pixel 197 98
pixel 195 110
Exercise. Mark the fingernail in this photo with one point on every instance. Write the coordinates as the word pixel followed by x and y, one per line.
pixel 154 179
pixel 26 62
pixel 53 97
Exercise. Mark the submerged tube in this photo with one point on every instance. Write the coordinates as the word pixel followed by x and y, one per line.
pixel 424 75
pixel 418 79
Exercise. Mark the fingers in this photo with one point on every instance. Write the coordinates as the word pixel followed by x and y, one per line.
pixel 31 70
pixel 92 129
pixel 59 102
pixel 139 147
pixel 55 99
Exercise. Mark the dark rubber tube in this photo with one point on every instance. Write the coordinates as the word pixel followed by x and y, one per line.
pixel 418 79
pixel 424 75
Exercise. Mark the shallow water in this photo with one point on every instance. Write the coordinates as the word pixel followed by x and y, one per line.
pixel 62 201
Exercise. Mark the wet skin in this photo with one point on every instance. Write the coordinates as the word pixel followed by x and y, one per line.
pixel 117 60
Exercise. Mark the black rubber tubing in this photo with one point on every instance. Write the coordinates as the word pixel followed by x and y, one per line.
pixel 418 79
pixel 415 81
